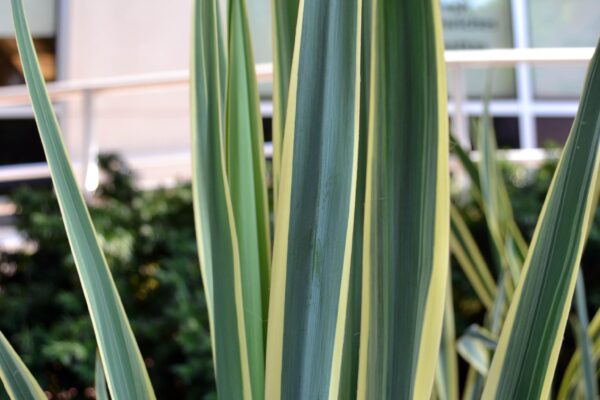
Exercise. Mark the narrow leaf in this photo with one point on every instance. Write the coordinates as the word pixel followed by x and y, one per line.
pixel 18 381
pixel 516 242
pixel 573 374
pixel 246 176
pixel 213 211
pixel 351 350
pixel 285 16
pixel 588 383
pixel 446 377
pixel 125 371
pixel 573 377
pixel 406 231
pixel 474 346
pixel 466 251
pixel 527 353
pixel 493 323
pixel 468 165
pixel 315 209
pixel 100 380
pixel 496 204
pixel 473 385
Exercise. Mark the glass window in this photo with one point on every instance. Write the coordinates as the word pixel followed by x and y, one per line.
pixel 19 134
pixel 553 130
pixel 480 24
pixel 19 144
pixel 506 129
pixel 507 132
pixel 560 23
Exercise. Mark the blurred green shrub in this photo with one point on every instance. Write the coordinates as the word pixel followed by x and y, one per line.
pixel 148 238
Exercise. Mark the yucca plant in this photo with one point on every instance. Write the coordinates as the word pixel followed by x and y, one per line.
pixel 352 299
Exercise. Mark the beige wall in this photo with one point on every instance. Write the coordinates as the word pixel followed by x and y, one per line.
pixel 124 37
pixel 115 37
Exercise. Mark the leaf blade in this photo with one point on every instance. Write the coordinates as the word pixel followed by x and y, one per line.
pixel 508 243
pixel 538 312
pixel 100 380
pixel 246 178
pixel 405 248
pixel 285 16
pixel 351 350
pixel 18 380
pixel 446 377
pixel 584 341
pixel 465 250
pixel 315 208
pixel 125 371
pixel 573 373
pixel 213 211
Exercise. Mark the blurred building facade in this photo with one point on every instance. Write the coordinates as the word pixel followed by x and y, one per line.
pixel 79 40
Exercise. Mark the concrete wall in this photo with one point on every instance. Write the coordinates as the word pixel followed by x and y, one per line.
pixel 115 37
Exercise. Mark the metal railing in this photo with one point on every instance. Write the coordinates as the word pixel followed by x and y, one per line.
pixel 13 98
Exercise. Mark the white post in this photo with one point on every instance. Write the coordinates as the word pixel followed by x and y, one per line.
pixel 89 149
pixel 527 129
pixel 460 121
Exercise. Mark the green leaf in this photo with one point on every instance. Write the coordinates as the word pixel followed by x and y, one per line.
pixel 584 342
pixel 446 377
pixel 464 248
pixel 573 379
pixel 473 385
pixel 474 346
pixel 315 209
pixel 246 175
pixel 509 245
pixel 406 231
pixel 493 323
pixel 573 374
pixel 351 350
pixel 18 381
pixel 100 380
pixel 125 371
pixel 285 16
pixel 524 363
pixel 468 165
pixel 213 211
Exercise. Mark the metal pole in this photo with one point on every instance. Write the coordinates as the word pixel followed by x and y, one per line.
pixel 460 121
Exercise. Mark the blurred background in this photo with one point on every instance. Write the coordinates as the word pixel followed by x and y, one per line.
pixel 119 79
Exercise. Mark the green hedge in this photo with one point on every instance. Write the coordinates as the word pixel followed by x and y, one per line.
pixel 148 238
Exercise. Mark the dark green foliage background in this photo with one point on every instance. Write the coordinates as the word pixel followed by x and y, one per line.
pixel 148 238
